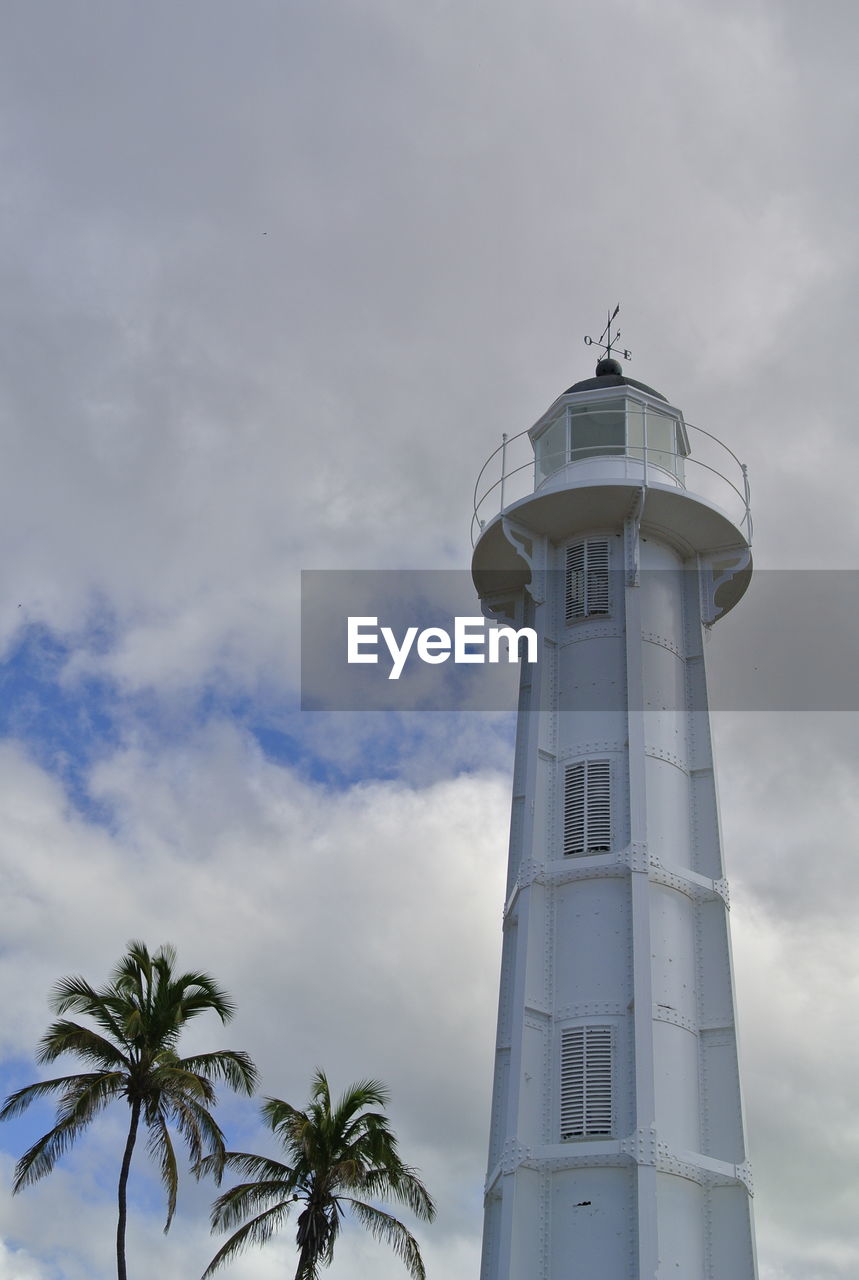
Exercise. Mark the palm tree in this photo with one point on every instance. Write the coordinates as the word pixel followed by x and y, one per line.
pixel 139 1017
pixel 339 1158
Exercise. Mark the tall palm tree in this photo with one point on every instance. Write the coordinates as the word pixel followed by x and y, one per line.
pixel 340 1158
pixel 139 1017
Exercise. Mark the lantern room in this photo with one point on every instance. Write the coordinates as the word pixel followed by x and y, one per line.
pixel 609 417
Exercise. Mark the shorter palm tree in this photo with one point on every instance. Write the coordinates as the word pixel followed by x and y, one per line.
pixel 138 1018
pixel 340 1158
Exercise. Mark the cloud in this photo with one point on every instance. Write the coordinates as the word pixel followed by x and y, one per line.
pixel 224 406
pixel 17 1264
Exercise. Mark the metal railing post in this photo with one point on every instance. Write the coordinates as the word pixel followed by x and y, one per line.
pixel 748 520
pixel 646 446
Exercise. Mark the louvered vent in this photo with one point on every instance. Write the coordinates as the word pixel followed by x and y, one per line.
pixel 587 807
pixel 586 583
pixel 586 1082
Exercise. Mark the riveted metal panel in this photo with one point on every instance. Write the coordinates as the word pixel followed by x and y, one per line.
pixel 716 995
pixel 664 697
pixel 517 828
pixel 661 591
pixel 673 943
pixel 508 962
pixel 525 1252
pixel 500 1100
pixel 490 1265
pixel 591 677
pixel 680 1209
pixel 731 1238
pixel 536 987
pixel 668 809
pixel 706 846
pixel 536 1054
pixel 675 1077
pixel 721 1113
pixel 592 1225
pixel 592 929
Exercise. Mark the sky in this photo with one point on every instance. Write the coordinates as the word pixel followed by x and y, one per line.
pixel 274 278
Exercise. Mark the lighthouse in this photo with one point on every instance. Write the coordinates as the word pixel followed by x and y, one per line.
pixel 620 533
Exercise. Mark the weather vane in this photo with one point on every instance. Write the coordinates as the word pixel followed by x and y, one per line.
pixel 606 341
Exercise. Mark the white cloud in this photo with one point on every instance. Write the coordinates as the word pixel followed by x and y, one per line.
pixel 261 354
pixel 17 1264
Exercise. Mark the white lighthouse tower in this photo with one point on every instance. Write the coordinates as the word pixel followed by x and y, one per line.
pixel 617 1147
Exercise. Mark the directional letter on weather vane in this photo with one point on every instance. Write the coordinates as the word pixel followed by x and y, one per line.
pixel 606 341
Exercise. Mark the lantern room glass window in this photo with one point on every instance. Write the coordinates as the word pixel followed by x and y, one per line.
pixel 614 427
pixel 551 448
pixel 597 429
pixel 635 429
pixel 661 439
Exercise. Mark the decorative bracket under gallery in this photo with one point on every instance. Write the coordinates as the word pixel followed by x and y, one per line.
pixel 532 549
pixel 716 570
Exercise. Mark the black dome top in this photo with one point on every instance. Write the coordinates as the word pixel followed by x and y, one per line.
pixel 610 373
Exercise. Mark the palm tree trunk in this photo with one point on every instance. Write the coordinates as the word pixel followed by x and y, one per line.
pixel 306 1245
pixel 303 1264
pixel 123 1183
pixel 305 1254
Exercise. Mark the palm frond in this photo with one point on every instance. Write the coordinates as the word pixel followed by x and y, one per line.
pixel 258 1231
pixel 19 1101
pixel 196 1124
pixel 200 994
pixel 40 1159
pixel 134 968
pixel 392 1232
pixel 282 1118
pixel 404 1185
pixel 249 1197
pixel 359 1096
pixel 82 1099
pixel 168 1074
pixel 160 1146
pixel 233 1066
pixel 75 995
pixel 366 1125
pixel 71 1037
pixel 74 992
pixel 249 1165
pixel 319 1089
